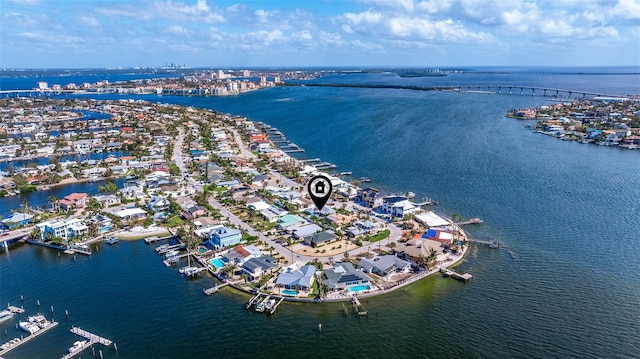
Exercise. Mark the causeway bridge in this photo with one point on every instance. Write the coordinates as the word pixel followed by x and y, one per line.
pixel 522 90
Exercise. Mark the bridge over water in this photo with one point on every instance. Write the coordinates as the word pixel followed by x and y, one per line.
pixel 494 89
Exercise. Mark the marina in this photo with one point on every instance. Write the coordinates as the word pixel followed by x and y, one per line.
pixel 16 342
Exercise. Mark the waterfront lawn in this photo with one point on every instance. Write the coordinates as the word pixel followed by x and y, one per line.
pixel 174 221
pixel 379 236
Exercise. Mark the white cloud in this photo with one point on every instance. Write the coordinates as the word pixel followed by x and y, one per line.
pixel 627 9
pixel 177 30
pixel 89 21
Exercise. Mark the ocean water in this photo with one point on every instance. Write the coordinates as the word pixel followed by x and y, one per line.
pixel 569 213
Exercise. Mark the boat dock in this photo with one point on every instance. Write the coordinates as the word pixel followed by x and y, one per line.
pixel 471 221
pixel 358 308
pixel 453 274
pixel 92 339
pixel 14 309
pixel 213 290
pixel 151 239
pixel 275 306
pixel 163 250
pixel 261 306
pixel 10 346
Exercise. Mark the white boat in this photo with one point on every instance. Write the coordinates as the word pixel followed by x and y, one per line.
pixel 39 320
pixel 270 304
pixel 29 327
pixel 162 247
pixel 112 240
pixel 77 345
pixel 190 271
pixel 171 253
pixel 5 315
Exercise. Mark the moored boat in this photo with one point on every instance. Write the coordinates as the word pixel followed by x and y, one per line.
pixel 29 327
pixel 5 315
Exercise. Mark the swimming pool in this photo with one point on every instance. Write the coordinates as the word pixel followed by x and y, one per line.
pixel 289 292
pixel 217 262
pixel 359 288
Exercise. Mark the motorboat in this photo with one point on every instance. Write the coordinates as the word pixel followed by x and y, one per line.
pixel 77 345
pixel 171 253
pixel 39 320
pixel 112 240
pixel 29 327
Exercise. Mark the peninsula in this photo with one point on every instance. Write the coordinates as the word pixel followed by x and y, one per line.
pixel 220 184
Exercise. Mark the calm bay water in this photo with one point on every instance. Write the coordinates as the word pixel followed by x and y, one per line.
pixel 569 213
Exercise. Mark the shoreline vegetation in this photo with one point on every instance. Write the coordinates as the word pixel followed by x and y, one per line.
pixel 235 192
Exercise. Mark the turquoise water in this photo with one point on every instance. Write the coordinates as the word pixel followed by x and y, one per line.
pixel 358 288
pixel 290 292
pixel 568 287
pixel 217 262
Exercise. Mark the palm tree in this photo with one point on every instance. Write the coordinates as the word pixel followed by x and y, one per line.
pixel 55 205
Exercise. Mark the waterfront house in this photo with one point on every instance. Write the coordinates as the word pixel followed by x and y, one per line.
pixel 240 254
pixel 132 213
pixel 298 279
pixel 398 206
pixel 441 235
pixel 256 268
pixel 74 201
pixel 384 266
pixel 62 228
pixel 17 220
pixel 343 275
pixel 431 219
pixel 320 239
pixel 370 197
pixel 101 223
pixel 224 237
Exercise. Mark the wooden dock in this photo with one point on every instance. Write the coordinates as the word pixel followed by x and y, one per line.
pixel 471 221
pixel 10 347
pixel 213 290
pixel 151 239
pixel 358 308
pixel 92 339
pixel 453 274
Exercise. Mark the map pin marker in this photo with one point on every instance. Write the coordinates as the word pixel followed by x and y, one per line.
pixel 319 189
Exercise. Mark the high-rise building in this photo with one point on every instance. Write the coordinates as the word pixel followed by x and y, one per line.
pixel 42 85
pixel 246 73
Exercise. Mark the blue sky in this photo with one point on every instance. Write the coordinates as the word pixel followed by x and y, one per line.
pixel 106 33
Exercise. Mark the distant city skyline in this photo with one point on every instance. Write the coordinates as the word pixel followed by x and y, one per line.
pixel 123 33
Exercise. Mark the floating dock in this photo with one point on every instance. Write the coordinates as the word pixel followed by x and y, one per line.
pixel 92 339
pixel 12 346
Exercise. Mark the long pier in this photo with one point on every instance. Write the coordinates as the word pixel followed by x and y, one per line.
pixel 92 339
pixel 11 346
